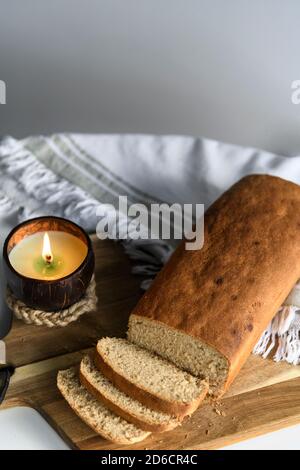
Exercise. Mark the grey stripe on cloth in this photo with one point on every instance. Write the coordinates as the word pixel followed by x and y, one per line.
pixel 65 157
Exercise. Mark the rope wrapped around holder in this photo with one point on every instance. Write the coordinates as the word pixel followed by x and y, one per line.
pixel 58 318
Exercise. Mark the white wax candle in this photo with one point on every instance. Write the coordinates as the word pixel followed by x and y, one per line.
pixel 68 253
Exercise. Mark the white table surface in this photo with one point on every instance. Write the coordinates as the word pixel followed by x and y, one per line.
pixel 284 439
pixel 23 428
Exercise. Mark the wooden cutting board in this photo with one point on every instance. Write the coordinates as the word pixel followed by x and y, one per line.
pixel 264 397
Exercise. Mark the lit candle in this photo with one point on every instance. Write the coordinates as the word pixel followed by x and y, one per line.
pixel 49 262
pixel 48 255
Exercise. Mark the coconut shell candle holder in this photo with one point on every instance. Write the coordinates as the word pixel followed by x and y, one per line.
pixel 49 263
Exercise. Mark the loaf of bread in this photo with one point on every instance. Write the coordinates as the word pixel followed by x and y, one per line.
pixel 206 309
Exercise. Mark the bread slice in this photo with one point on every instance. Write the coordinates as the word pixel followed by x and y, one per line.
pixel 207 308
pixel 148 378
pixel 94 413
pixel 120 403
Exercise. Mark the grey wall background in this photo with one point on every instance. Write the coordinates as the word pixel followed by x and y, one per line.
pixel 218 68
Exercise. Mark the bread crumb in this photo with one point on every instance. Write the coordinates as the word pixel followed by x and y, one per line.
pixel 217 410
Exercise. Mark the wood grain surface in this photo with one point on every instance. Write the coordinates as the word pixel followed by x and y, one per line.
pixel 264 397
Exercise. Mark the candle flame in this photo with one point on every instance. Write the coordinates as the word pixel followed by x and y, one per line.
pixel 47 252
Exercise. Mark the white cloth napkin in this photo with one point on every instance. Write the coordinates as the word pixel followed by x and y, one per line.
pixel 71 174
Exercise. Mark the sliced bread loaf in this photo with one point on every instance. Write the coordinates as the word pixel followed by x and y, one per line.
pixel 207 308
pixel 148 378
pixel 122 404
pixel 94 413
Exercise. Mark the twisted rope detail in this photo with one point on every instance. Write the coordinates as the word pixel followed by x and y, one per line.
pixel 59 318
